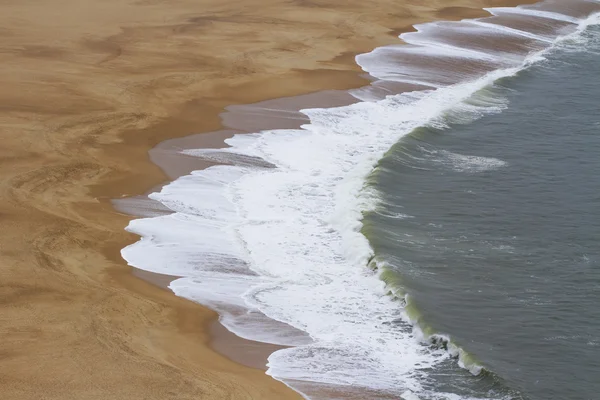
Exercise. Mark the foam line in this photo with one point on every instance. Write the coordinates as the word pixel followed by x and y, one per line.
pixel 532 13
pixel 512 31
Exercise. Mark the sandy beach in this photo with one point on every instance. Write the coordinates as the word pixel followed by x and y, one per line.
pixel 87 89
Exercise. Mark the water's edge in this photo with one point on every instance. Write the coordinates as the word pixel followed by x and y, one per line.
pixel 240 313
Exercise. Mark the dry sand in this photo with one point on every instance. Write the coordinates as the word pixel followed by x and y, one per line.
pixel 86 89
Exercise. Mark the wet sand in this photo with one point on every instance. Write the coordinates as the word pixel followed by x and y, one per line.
pixel 88 88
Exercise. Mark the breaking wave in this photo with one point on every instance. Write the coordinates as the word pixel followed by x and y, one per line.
pixel 273 240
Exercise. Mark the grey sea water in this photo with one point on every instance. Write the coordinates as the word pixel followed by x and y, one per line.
pixel 492 228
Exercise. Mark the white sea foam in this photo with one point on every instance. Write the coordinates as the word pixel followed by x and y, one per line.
pixel 461 162
pixel 532 13
pixel 278 251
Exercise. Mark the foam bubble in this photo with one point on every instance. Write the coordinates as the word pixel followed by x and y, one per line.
pixel 462 163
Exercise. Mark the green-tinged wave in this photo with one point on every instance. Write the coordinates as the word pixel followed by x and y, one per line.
pixel 423 330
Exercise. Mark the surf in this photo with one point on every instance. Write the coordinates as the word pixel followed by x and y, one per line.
pixel 273 239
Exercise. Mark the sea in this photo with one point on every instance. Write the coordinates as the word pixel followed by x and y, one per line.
pixel 438 239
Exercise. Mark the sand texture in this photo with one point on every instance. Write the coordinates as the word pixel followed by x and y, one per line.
pixel 86 89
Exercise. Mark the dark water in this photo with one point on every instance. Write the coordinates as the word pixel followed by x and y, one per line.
pixel 502 252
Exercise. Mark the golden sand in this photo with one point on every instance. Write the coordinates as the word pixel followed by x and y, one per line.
pixel 86 88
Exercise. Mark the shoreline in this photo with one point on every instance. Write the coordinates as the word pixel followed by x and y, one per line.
pixel 249 353
pixel 240 118
pixel 237 119
pixel 78 119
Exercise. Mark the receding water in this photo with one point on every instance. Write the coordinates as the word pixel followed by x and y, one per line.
pixel 492 227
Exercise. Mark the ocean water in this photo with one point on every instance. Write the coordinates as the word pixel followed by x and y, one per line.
pixel 435 240
pixel 492 228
